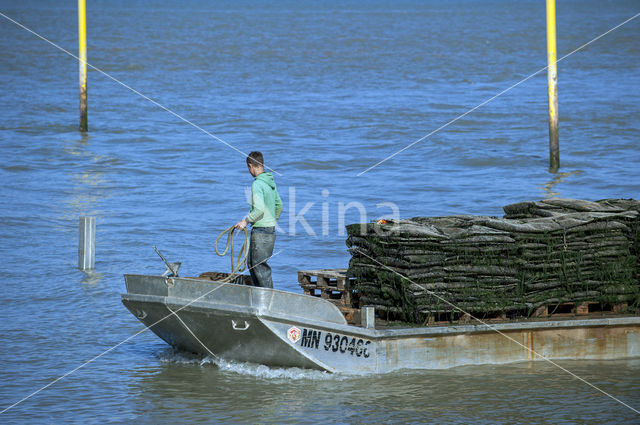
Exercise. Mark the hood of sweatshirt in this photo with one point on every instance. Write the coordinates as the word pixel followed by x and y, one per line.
pixel 267 178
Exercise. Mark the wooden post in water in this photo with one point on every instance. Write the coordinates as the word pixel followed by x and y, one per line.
pixel 82 39
pixel 552 79
pixel 87 243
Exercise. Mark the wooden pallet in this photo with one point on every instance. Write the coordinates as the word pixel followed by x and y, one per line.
pixel 578 309
pixel 331 284
pixel 546 311
pixel 351 314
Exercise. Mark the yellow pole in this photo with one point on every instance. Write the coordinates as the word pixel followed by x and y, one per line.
pixel 82 37
pixel 552 79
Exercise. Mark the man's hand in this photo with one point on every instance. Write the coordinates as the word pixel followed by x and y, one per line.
pixel 241 224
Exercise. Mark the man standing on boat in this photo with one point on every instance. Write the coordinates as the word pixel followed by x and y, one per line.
pixel 266 207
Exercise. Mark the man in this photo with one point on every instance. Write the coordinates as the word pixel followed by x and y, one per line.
pixel 266 207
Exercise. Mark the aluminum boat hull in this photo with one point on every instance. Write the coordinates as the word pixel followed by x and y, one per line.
pixel 275 328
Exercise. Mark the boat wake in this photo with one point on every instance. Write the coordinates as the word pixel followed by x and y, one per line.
pixel 171 355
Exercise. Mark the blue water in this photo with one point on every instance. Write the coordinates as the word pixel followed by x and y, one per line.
pixel 325 90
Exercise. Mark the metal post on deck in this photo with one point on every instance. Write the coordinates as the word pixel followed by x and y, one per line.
pixel 82 39
pixel 368 317
pixel 552 79
pixel 87 243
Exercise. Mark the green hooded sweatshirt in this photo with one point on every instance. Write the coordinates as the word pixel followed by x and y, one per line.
pixel 266 205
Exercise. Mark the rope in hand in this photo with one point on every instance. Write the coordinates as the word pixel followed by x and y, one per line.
pixel 237 265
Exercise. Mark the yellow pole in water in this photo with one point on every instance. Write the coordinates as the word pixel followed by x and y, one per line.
pixel 552 79
pixel 82 38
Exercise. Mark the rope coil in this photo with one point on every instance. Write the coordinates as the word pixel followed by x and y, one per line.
pixel 239 264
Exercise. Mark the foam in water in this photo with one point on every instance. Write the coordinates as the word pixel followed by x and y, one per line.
pixel 251 369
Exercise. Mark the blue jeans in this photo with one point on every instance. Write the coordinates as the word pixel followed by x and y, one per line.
pixel 260 250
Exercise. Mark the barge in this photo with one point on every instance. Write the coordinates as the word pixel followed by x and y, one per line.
pixel 243 323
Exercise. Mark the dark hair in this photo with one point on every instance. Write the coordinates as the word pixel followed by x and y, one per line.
pixel 256 159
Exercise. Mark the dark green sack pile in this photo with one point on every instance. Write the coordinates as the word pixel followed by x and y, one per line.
pixel 555 251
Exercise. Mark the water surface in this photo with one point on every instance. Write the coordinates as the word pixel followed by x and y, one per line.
pixel 325 90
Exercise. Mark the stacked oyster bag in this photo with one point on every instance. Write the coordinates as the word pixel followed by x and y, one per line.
pixel 541 253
